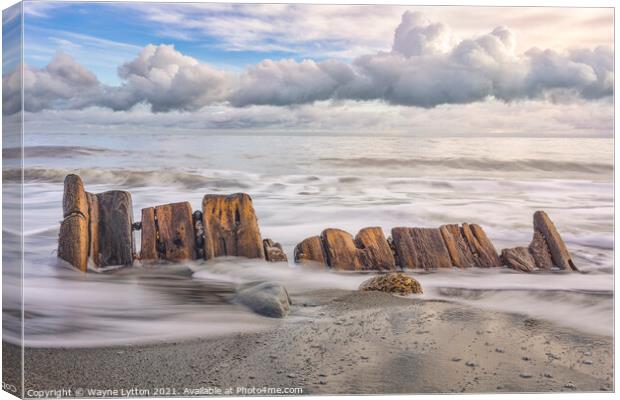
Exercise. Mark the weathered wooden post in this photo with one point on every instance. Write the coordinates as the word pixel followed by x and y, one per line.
pixel 73 240
pixel 168 233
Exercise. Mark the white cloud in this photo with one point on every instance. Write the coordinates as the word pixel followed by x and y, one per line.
pixel 425 68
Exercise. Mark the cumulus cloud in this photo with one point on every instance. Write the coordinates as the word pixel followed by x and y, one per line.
pixel 425 67
pixel 61 82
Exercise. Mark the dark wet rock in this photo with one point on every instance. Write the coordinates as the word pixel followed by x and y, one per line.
pixel 394 282
pixel 265 298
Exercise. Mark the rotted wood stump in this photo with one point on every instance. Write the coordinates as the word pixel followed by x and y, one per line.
pixel 481 246
pixel 168 233
pixel 341 251
pixel 310 250
pixel 95 227
pixel 421 248
pixel 546 250
pixel 375 249
pixel 230 227
pixel 273 251
pixel 73 240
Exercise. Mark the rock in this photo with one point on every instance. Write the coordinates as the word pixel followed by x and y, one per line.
pixel 519 258
pixel 168 233
pixel 273 251
pixel 540 251
pixel 421 248
pixel 341 251
pixel 230 226
pixel 393 282
pixel 525 375
pixel 457 246
pixel 116 244
pixel 481 246
pixel 265 298
pixel 559 253
pixel 74 236
pixel 310 250
pixel 376 251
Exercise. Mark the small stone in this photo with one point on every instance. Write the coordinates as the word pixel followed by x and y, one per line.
pixel 323 382
pixel 570 385
pixel 364 357
pixel 456 359
pixel 499 350
pixel 470 364
pixel 291 376
pixel 547 375
pixel 525 375
pixel 525 358
pixel 587 362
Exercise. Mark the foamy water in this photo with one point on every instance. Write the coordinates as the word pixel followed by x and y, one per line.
pixel 301 185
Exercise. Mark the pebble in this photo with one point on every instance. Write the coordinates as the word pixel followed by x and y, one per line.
pixel 470 364
pixel 456 358
pixel 570 385
pixel 587 362
pixel 525 375
pixel 547 375
pixel 323 382
pixel 364 357
pixel 525 358
pixel 291 375
pixel 499 350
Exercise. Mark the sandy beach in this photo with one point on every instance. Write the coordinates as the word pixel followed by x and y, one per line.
pixel 347 342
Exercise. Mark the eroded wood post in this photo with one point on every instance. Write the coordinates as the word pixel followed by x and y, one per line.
pixel 168 233
pixel 73 239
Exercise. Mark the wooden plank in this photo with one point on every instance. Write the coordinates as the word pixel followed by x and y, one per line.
pixel 559 253
pixel 148 236
pixel 481 246
pixel 377 254
pixel 230 226
pixel 74 197
pixel 116 245
pixel 421 248
pixel 457 246
pixel 176 231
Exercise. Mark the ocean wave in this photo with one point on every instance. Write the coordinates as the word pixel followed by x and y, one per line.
pixel 52 151
pixel 125 178
pixel 476 164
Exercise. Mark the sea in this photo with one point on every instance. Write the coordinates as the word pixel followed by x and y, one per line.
pixel 301 184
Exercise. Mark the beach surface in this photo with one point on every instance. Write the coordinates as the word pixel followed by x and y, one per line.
pixel 345 342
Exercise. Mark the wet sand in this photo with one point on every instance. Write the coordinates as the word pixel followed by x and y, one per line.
pixel 343 342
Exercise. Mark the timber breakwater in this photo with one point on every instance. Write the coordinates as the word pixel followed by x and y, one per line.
pixel 99 229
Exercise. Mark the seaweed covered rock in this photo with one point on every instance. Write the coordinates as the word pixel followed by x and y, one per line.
pixel 393 282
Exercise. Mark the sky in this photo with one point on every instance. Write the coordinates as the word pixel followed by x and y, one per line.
pixel 413 70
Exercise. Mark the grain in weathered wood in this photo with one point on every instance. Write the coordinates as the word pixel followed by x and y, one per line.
pixel 519 258
pixel 310 250
pixel 457 246
pixel 375 249
pixel 93 228
pixel 273 251
pixel 421 248
pixel 73 238
pixel 481 246
pixel 559 253
pixel 175 226
pixel 540 251
pixel 341 251
pixel 148 236
pixel 116 244
pixel 230 226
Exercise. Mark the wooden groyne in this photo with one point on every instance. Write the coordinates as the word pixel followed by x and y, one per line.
pixel 99 229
